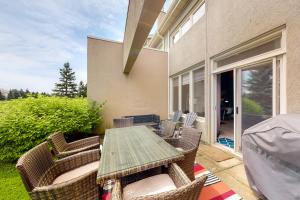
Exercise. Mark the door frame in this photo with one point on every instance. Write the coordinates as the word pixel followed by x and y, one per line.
pixel 272 56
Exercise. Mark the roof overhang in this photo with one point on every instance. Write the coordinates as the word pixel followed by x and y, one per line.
pixel 176 8
pixel 141 17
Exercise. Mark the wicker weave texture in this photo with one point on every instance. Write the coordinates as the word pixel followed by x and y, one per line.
pixel 189 142
pixel 63 149
pixel 38 171
pixel 186 190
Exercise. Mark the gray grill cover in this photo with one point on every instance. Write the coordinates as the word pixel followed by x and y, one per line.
pixel 271 154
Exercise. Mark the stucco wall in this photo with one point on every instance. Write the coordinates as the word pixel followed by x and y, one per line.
pixel 189 49
pixel 232 22
pixel 143 91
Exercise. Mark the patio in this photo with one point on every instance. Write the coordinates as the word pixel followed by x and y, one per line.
pixel 230 171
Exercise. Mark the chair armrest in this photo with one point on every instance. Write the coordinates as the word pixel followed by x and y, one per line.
pixel 178 176
pixel 77 160
pixel 172 141
pixel 83 142
pixel 63 189
pixel 117 191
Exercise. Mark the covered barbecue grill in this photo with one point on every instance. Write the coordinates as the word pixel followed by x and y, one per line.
pixel 271 154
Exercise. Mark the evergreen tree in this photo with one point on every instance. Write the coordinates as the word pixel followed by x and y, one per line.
pixel 66 86
pixel 13 94
pixel 2 97
pixel 82 89
pixel 259 87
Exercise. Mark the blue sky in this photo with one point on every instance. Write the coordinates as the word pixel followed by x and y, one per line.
pixel 38 36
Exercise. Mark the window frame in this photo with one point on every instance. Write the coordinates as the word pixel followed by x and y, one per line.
pixel 180 75
pixel 189 18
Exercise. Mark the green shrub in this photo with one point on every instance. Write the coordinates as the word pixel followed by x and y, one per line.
pixel 24 123
pixel 251 107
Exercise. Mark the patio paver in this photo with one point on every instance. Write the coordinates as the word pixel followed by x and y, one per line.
pixel 230 171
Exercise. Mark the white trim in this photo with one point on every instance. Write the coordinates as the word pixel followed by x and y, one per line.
pixel 274 86
pixel 250 60
pixel 236 92
pixel 191 92
pixel 237 67
pixel 179 92
pixel 170 99
pixel 283 95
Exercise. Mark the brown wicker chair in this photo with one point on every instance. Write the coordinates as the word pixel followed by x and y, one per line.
pixel 167 129
pixel 40 174
pixel 63 149
pixel 123 122
pixel 185 189
pixel 188 143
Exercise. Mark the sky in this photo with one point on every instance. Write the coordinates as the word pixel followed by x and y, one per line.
pixel 38 36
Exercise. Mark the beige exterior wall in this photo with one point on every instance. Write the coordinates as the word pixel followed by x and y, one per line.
pixel 232 22
pixel 189 49
pixel 143 91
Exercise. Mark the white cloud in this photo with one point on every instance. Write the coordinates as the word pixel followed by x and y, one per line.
pixel 37 37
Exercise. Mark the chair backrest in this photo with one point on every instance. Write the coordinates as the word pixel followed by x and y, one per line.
pixel 123 122
pixel 33 165
pixel 168 128
pixel 191 135
pixel 190 119
pixel 176 116
pixel 58 142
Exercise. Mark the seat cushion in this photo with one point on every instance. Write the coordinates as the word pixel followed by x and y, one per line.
pixel 179 149
pixel 149 186
pixel 76 172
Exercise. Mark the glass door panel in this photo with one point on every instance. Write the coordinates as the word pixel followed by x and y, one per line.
pixel 255 100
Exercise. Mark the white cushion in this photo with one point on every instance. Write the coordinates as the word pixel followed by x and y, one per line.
pixel 179 149
pixel 76 172
pixel 149 186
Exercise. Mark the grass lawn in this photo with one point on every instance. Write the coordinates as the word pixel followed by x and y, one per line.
pixel 11 186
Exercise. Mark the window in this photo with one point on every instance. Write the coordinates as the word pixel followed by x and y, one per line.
pixel 199 13
pixel 186 26
pixel 188 92
pixel 263 48
pixel 198 100
pixel 185 93
pixel 176 37
pixel 191 19
pixel 175 94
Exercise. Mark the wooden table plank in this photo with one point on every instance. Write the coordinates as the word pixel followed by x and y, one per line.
pixel 133 149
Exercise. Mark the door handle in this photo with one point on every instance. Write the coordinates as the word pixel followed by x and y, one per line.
pixel 237 110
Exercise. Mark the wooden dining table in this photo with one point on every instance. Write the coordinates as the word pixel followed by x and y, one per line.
pixel 131 150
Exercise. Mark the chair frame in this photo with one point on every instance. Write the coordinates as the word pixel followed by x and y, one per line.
pixel 63 149
pixel 38 171
pixel 189 142
pixel 186 189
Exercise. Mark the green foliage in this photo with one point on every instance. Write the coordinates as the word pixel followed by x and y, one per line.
pixel 11 186
pixel 251 107
pixel 66 86
pixel 82 89
pixel 24 123
pixel 2 97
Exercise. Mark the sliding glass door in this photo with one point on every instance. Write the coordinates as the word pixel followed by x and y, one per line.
pixel 257 97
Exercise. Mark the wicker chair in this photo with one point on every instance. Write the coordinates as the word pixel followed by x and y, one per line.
pixel 184 189
pixel 123 122
pixel 69 178
pixel 63 149
pixel 188 143
pixel 167 129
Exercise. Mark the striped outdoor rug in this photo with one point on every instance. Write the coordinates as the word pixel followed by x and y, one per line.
pixel 214 188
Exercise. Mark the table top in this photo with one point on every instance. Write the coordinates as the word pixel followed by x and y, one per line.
pixel 133 149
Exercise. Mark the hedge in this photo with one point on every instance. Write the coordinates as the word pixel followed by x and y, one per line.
pixel 25 123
